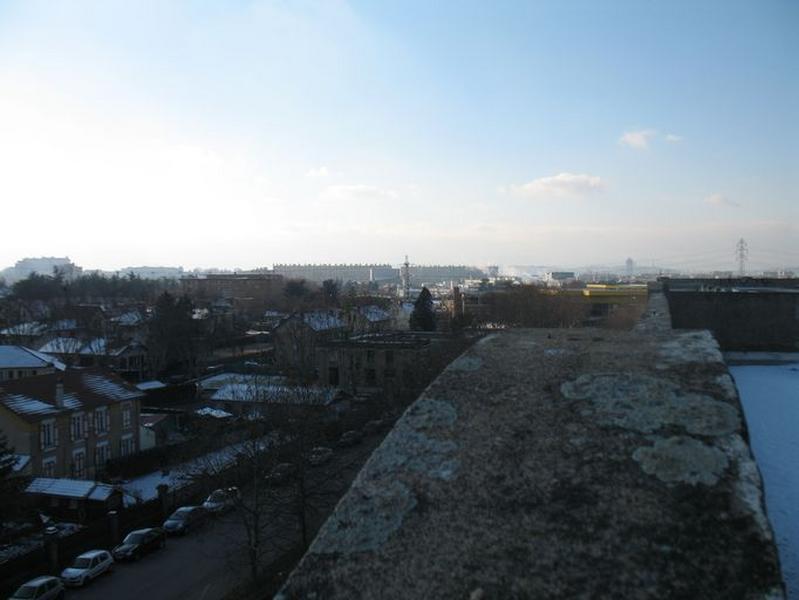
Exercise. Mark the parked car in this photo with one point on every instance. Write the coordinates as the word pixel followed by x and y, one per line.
pixel 86 567
pixel 319 456
pixel 140 542
pixel 41 588
pixel 221 500
pixel 281 474
pixel 350 438
pixel 185 519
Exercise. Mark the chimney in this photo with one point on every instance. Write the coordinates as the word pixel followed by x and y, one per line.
pixel 59 393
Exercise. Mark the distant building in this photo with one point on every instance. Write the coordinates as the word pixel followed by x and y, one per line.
pixel 337 272
pixel 383 360
pixel 154 272
pixel 297 336
pixel 432 274
pixel 559 278
pixel 43 266
pixel 250 293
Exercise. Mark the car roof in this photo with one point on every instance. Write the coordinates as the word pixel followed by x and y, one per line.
pixel 145 530
pixel 39 580
pixel 93 553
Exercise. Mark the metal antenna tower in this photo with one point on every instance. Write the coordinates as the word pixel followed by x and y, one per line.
pixel 741 255
pixel 406 278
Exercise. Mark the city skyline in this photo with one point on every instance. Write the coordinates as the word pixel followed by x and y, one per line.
pixel 254 133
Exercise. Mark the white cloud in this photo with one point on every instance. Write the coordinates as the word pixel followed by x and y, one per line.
pixel 322 171
pixel 673 138
pixel 360 192
pixel 637 139
pixel 721 200
pixel 562 185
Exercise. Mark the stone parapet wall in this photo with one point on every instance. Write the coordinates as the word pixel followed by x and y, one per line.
pixel 558 464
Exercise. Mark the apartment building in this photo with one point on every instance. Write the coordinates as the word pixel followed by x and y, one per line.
pixel 68 424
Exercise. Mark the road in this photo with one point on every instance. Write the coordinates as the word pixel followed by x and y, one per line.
pixel 207 563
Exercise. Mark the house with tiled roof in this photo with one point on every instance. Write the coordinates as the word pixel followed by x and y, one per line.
pixel 70 423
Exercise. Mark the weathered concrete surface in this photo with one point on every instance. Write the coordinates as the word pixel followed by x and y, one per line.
pixel 558 463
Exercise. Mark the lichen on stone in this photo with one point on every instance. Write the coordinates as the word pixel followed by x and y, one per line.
pixel 682 459
pixel 645 403
pixel 690 347
pixel 366 521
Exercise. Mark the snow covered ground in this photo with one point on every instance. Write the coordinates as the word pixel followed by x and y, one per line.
pixel 145 487
pixel 770 397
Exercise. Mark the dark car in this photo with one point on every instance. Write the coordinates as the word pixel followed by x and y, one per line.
pixel 185 519
pixel 222 500
pixel 350 438
pixel 281 474
pixel 140 542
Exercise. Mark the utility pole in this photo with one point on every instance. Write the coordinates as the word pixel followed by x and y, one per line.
pixel 741 255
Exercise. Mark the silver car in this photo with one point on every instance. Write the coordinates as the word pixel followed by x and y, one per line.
pixel 41 588
pixel 86 567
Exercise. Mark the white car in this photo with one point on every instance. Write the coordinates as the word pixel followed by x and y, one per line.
pixel 86 567
pixel 41 588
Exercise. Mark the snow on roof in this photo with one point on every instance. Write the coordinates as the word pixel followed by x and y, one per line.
pixel 62 345
pixel 70 488
pixel 35 397
pixel 151 385
pixel 129 319
pixel 104 386
pixel 374 314
pixel 28 328
pixel 20 462
pixel 271 393
pixel 20 357
pixel 322 320
pixel 24 405
pixel 97 347
pixel 63 325
pixel 213 412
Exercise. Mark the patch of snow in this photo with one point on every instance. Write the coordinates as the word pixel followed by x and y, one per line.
pixel 770 398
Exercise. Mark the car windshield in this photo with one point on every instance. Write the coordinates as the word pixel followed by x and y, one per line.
pixel 82 563
pixel 179 515
pixel 134 538
pixel 217 496
pixel 26 591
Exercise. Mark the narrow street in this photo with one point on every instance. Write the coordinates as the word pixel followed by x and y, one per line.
pixel 207 563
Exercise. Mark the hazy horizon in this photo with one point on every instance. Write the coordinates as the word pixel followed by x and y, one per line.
pixel 249 133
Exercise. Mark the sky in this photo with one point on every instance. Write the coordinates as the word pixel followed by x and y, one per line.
pixel 245 133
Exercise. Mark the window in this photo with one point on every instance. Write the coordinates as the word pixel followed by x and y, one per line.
pixel 370 357
pixel 101 455
pixel 126 417
pixel 77 427
pixel 48 466
pixel 389 357
pixel 79 464
pixel 48 434
pixel 126 445
pixel 370 377
pixel 101 420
